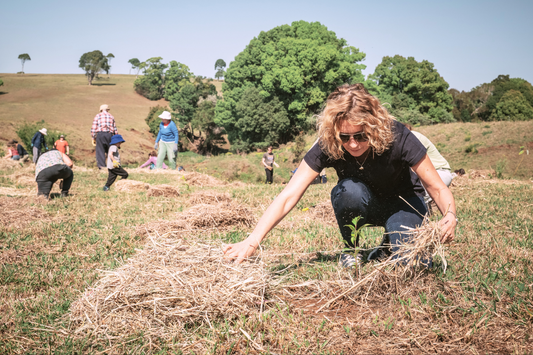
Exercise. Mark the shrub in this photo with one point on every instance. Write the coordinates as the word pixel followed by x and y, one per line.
pixel 26 131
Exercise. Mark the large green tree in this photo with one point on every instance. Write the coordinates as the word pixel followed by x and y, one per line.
pixel 260 121
pixel 513 106
pixel 151 84
pixel 410 85
pixel 297 65
pixel 23 58
pixel 500 86
pixel 93 63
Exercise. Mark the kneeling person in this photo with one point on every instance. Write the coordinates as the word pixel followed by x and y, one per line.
pixel 50 167
pixel 113 161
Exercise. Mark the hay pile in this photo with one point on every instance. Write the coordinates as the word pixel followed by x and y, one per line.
pixel 9 164
pixel 163 190
pixel 171 283
pixel 202 217
pixel 127 185
pixel 11 191
pixel 198 179
pixel 16 212
pixel 481 174
pixel 26 180
pixel 208 197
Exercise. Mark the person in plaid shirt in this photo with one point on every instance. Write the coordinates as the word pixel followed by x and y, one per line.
pixel 102 130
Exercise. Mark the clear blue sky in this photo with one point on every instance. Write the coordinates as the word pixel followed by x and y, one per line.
pixel 470 42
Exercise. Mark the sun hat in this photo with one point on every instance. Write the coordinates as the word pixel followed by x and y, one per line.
pixel 62 136
pixel 165 115
pixel 117 138
pixel 43 131
pixel 104 107
pixel 12 142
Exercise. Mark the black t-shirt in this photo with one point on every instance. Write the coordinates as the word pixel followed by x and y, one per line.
pixel 388 174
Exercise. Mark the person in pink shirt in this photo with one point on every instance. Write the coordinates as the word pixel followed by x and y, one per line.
pixel 152 161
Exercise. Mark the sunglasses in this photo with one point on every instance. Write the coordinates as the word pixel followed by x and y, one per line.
pixel 358 137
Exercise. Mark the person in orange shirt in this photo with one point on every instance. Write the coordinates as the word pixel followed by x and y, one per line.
pixel 62 145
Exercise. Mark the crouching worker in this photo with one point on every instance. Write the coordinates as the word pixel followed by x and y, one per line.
pixel 50 167
pixel 373 155
pixel 113 161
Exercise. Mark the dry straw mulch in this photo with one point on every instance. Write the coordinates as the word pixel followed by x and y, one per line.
pixel 163 190
pixel 198 179
pixel 208 197
pixel 169 284
pixel 18 212
pixel 202 217
pixel 324 213
pixel 127 185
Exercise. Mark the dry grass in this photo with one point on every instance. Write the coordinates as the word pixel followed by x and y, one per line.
pixel 128 185
pixel 202 217
pixel 163 190
pixel 171 283
pixel 208 197
pixel 202 180
pixel 18 212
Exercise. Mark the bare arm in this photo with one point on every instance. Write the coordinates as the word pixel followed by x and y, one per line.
pixel 442 196
pixel 68 150
pixel 67 160
pixel 282 205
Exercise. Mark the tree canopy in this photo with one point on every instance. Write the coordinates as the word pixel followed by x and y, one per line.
pixel 297 65
pixel 109 57
pixel 93 63
pixel 220 65
pixel 410 85
pixel 484 102
pixel 151 84
pixel 135 63
pixel 513 106
pixel 23 58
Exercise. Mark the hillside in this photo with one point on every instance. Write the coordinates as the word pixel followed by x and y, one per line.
pixel 68 104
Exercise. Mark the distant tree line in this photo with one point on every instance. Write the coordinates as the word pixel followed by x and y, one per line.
pixel 502 99
pixel 192 99
pixel 274 88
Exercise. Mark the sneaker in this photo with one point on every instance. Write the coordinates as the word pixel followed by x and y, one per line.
pixel 106 188
pixel 64 193
pixel 350 261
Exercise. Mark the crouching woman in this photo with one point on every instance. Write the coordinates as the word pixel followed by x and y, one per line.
pixel 381 167
pixel 50 167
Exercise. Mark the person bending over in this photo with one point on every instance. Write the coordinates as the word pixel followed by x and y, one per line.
pixel 373 155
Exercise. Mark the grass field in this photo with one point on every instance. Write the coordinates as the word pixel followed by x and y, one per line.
pixel 52 253
pixel 56 254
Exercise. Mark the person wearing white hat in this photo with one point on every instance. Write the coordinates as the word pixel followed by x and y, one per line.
pixel 167 139
pixel 37 143
pixel 102 130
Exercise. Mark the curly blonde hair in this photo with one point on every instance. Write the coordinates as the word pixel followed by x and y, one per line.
pixel 354 104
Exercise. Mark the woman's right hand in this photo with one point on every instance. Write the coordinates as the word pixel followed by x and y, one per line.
pixel 155 146
pixel 239 252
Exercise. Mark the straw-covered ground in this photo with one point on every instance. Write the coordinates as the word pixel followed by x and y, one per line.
pixel 139 269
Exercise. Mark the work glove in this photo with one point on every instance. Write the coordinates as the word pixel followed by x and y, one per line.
pixel 175 147
pixel 32 145
pixel 155 146
pixel 46 148
pixel 94 143
pixel 116 164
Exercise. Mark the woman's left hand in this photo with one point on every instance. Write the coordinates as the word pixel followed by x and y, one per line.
pixel 447 226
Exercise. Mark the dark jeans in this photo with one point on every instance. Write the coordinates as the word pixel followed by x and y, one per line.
pixel 269 176
pixel 103 139
pixel 48 176
pixel 352 198
pixel 113 173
